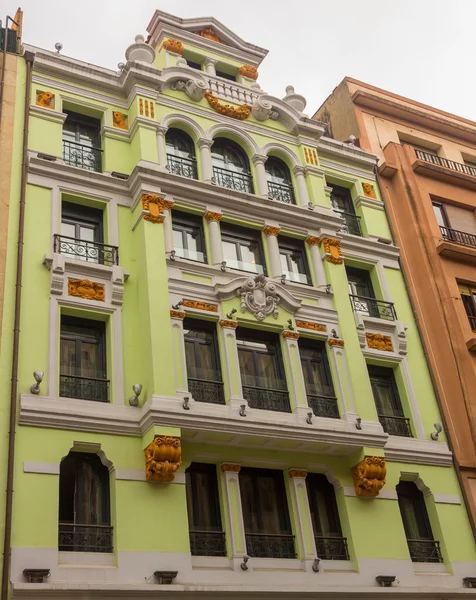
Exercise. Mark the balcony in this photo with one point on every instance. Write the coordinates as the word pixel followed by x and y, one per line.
pixel 323 406
pixel 84 388
pixel 185 167
pixel 259 545
pixel 101 254
pixel 396 425
pixel 425 551
pixel 458 245
pixel 266 393
pixel 84 538
pixel 207 543
pixel 232 91
pixel 379 309
pixel 84 157
pixel 281 192
pixel 206 390
pixel 443 169
pixel 351 223
pixel 331 548
pixel 241 182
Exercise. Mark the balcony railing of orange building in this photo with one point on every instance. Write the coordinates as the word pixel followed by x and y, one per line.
pixel 444 162
pixel 458 237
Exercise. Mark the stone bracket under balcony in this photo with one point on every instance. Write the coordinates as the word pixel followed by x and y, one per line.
pixel 61 266
pixel 456 251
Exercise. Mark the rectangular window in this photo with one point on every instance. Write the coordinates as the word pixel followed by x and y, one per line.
pixel 294 260
pixel 194 65
pixel 362 296
pixel 203 507
pixel 188 236
pixel 83 359
pixel 265 514
pixel 203 363
pixel 387 400
pixel 342 203
pixel 226 75
pixel 82 141
pixel 262 371
pixel 317 378
pixel 440 214
pixel 468 297
pixel 330 544
pixel 242 249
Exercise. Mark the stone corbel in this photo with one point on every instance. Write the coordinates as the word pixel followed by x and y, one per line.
pixel 117 279
pixel 163 456
pixel 401 338
pixel 57 274
pixel 369 476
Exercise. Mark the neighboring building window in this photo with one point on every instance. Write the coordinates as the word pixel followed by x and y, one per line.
pixel 294 260
pixel 387 400
pixel 203 363
pixel 180 153
pixel 231 167
pixel 82 141
pixel 265 514
pixel 362 295
pixel 262 371
pixel 242 249
pixel 421 544
pixel 280 185
pixel 330 544
pixel 468 297
pixel 342 203
pixel 226 75
pixel 317 378
pixel 440 215
pixel 84 513
pixel 188 236
pixel 471 166
pixel 203 507
pixel 83 359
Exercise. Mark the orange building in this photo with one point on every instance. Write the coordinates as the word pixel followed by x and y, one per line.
pixel 427 169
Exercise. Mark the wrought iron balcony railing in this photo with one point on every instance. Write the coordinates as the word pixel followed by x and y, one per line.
pixel 444 162
pixel 84 388
pixel 458 237
pixel 82 156
pixel 203 390
pixel 84 538
pixel 323 406
pixel 427 551
pixel 207 543
pixel 242 182
pixel 396 425
pixel 351 223
pixel 260 545
pixel 331 548
pixel 373 308
pixel 94 252
pixel 281 192
pixel 186 167
pixel 472 322
pixel 266 399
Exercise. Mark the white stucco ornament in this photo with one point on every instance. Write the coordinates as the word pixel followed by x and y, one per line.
pixel 259 296
pixel 140 51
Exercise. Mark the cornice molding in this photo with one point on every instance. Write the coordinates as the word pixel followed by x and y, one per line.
pixel 47 114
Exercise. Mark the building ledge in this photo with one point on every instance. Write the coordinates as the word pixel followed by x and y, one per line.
pixel 444 174
pixel 455 251
pixel 471 344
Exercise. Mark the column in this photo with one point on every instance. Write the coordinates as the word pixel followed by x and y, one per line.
pixel 210 66
pixel 303 522
pixel 261 180
pixel 232 366
pixel 303 194
pixel 344 384
pixel 213 219
pixel 167 206
pixel 206 158
pixel 316 260
pixel 161 151
pixel 234 512
pixel 271 234
pixel 178 345
pixel 295 377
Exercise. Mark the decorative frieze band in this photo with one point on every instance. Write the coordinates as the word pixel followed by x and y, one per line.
pixel 378 341
pixel 84 288
pixel 200 305
pixel 310 325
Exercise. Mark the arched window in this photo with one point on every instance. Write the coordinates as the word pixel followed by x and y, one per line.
pixel 330 545
pixel 280 185
pixel 231 168
pixel 84 512
pixel 180 153
pixel 421 544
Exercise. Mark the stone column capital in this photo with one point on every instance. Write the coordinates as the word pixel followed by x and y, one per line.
pixel 205 143
pixel 312 240
pixel 299 170
pixel 228 323
pixel 290 335
pixel 162 129
pixel 213 216
pixel 210 61
pixel 259 159
pixel 297 473
pixel 269 230
pixel 177 314
pixel 230 467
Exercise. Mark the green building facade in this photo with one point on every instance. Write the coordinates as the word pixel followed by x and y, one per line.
pixel 231 396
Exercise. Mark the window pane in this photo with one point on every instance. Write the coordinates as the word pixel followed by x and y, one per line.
pixel 68 229
pixel 68 357
pixel 90 365
pixel 229 250
pixel 178 239
pixel 267 372
pixel 202 499
pixel 86 234
pixel 440 217
pixel 247 368
pixel 250 256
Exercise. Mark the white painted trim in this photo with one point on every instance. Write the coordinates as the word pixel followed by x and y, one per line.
pixel 383 495
pixel 136 475
pixel 43 468
pixel 446 499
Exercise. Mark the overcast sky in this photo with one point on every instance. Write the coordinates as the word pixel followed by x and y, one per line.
pixel 422 49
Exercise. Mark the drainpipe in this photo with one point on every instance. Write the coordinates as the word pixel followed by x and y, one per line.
pixel 425 352
pixel 29 58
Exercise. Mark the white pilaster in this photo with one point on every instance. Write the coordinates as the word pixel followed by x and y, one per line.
pixel 261 180
pixel 236 532
pixel 343 380
pixel 232 367
pixel 295 379
pixel 303 194
pixel 303 513
pixel 210 66
pixel 213 219
pixel 167 206
pixel 271 234
pixel 161 150
pixel 316 260
pixel 178 344
pixel 206 158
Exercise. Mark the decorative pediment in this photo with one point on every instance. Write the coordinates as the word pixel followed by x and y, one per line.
pixel 259 295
